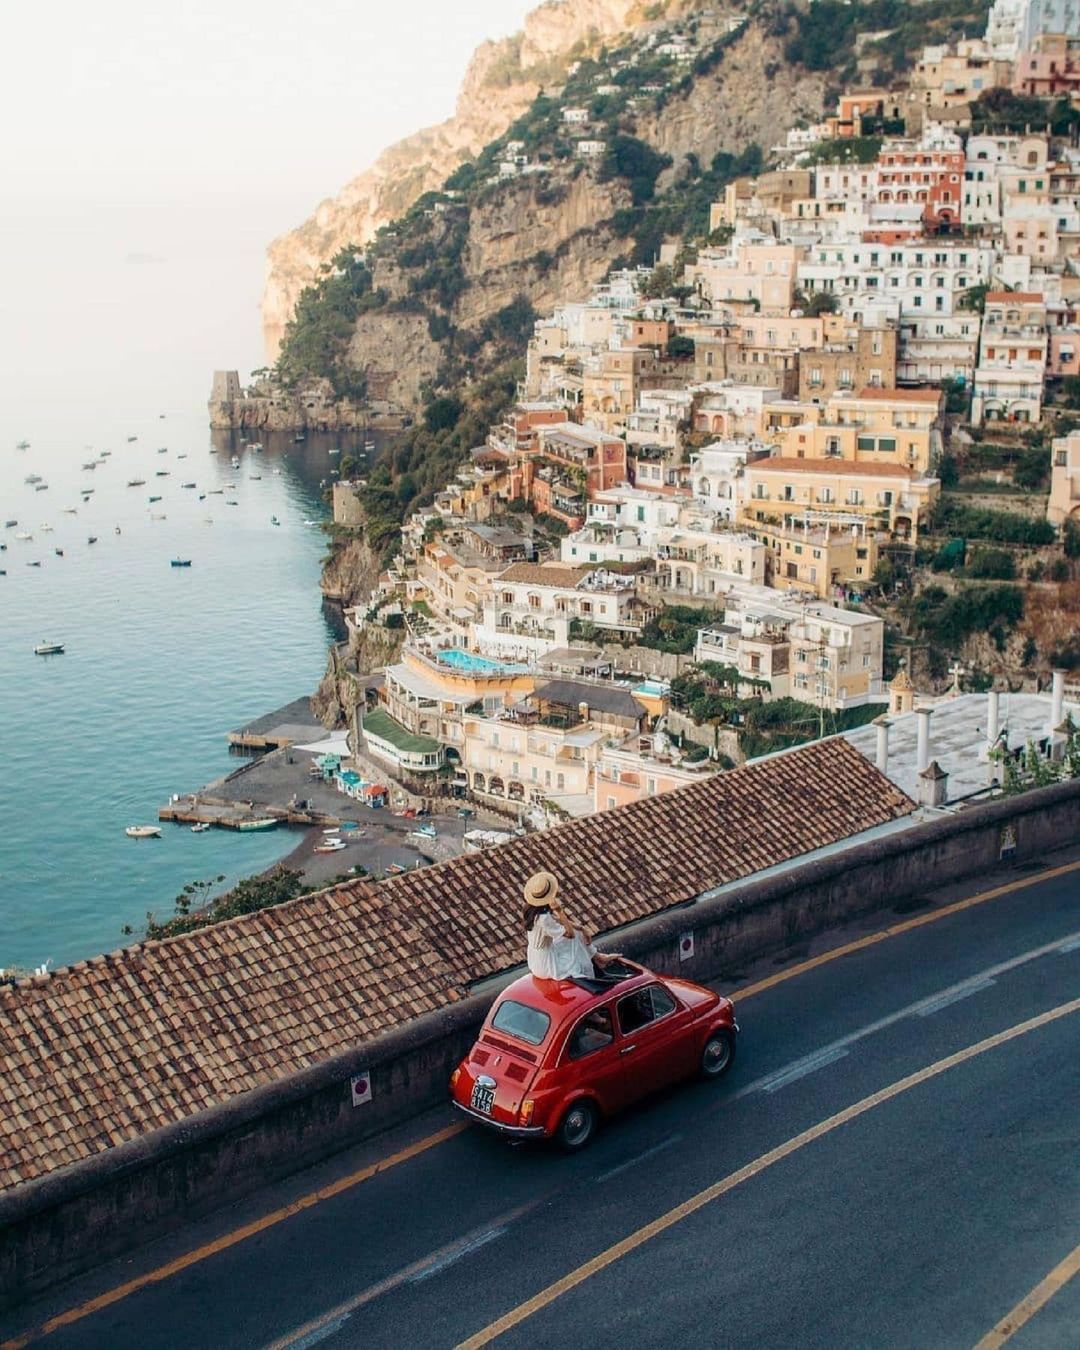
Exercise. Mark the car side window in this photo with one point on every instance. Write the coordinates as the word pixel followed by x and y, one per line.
pixel 635 1011
pixel 593 1032
pixel 662 1001
pixel 647 1005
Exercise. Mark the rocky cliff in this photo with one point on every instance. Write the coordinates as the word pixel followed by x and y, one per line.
pixel 502 80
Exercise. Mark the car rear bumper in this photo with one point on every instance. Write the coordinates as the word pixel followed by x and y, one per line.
pixel 511 1131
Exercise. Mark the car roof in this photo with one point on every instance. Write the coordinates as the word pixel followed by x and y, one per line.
pixel 564 1000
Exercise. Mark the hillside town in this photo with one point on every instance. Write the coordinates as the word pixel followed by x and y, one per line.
pixel 715 465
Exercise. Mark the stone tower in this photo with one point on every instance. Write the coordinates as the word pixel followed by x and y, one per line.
pixel 224 393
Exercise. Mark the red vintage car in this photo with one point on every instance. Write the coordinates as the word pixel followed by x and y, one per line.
pixel 556 1056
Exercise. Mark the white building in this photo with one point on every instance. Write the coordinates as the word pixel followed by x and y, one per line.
pixel 717 476
pixel 1012 359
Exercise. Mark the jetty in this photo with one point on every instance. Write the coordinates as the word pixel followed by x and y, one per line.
pixel 291 725
pixel 197 809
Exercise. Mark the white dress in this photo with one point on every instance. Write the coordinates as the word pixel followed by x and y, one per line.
pixel 554 956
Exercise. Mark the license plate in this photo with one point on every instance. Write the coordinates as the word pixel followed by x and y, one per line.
pixel 483 1098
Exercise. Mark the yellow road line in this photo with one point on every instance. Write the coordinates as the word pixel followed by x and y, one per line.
pixel 1026 1309
pixel 237 1235
pixel 894 930
pixel 422 1145
pixel 650 1230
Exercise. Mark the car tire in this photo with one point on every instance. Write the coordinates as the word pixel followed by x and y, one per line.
pixel 577 1126
pixel 718 1055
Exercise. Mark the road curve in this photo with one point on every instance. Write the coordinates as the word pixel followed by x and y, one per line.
pixel 893 1161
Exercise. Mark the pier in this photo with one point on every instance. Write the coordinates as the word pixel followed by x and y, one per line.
pixel 290 725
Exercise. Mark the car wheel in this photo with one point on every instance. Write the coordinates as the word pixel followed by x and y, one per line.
pixel 718 1055
pixel 577 1126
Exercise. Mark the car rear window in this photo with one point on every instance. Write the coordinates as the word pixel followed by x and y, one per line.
pixel 519 1020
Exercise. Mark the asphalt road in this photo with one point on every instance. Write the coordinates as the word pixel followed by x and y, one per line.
pixel 948 1189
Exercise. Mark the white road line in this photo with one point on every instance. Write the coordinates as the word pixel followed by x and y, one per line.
pixel 954 996
pixel 320 1327
pixel 801 1068
pixel 639 1157
pixel 448 1258
pixel 829 1054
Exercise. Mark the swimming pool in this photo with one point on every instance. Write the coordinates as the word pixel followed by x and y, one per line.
pixel 459 659
pixel 653 689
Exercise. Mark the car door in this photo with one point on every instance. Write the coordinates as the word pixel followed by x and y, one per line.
pixel 592 1061
pixel 653 1039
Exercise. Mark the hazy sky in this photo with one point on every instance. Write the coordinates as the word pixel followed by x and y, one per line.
pixel 175 139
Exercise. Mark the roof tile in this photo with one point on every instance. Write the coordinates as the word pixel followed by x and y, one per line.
pixel 112 1048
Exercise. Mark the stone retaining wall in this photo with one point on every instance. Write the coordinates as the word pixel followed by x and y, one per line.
pixel 81 1216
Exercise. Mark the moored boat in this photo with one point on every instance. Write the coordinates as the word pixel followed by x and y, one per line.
pixel 201 827
pixel 266 823
pixel 49 649
pixel 143 831
pixel 180 562
pixel 136 482
pixel 92 539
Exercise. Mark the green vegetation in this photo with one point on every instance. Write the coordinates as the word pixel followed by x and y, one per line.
pixel 991 564
pixel 1002 527
pixel 675 628
pixel 1000 110
pixel 822 35
pixel 317 337
pixel 948 620
pixel 637 163
pixel 197 907
pixel 846 150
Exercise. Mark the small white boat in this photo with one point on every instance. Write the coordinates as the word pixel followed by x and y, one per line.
pixel 311 522
pixel 71 510
pixel 32 478
pixel 136 482
pixel 201 827
pixel 255 477
pixel 329 846
pixel 277 471
pixel 274 520
pixel 143 831
pixel 45 529
pixel 369 445
pixel 49 649
pixel 91 464
pixel 41 487
pixel 24 534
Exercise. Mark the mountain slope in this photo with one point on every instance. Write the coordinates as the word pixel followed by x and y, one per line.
pixel 502 80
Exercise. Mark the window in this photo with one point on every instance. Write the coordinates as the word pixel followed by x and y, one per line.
pixel 595 1030
pixel 522 1022
pixel 647 1005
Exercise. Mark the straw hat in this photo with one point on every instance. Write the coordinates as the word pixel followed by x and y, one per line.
pixel 541 889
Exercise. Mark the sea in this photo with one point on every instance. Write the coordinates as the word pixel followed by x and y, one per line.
pixel 159 662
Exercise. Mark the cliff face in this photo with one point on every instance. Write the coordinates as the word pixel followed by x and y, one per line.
pixel 502 80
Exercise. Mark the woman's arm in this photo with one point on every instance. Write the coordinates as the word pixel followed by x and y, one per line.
pixel 559 915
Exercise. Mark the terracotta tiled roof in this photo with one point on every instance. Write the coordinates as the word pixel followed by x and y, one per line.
pixel 899 395
pixel 109 1049
pixel 840 467
pixel 537 574
pixel 1015 297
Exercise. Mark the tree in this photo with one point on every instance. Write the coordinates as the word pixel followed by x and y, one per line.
pixel 1070 538
pixel 442 413
pixel 974 298
pixel 817 303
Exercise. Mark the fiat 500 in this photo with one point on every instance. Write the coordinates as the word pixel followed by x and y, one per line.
pixel 554 1057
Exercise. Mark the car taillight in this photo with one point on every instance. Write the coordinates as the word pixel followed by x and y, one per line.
pixel 525 1115
pixel 455 1076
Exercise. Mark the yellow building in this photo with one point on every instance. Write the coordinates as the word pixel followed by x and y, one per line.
pixel 816 558
pixel 888 496
pixel 875 426
pixel 546 747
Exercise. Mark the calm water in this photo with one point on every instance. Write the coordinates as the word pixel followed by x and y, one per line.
pixel 160 663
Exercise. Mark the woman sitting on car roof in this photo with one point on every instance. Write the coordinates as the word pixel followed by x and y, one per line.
pixel 556 949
